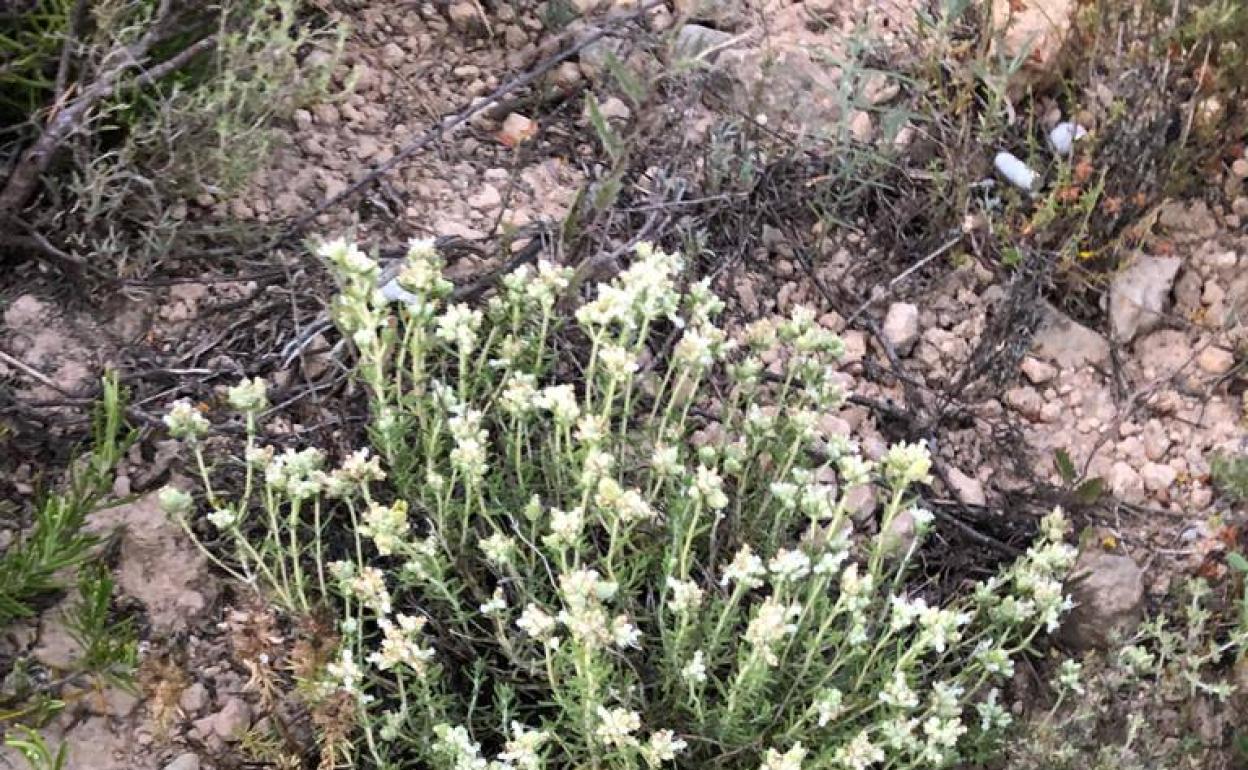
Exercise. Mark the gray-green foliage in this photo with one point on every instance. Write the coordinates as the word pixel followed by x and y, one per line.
pixel 604 563
pixel 159 136
pixel 32 566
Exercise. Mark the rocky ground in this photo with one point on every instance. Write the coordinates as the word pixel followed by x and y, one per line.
pixel 1139 395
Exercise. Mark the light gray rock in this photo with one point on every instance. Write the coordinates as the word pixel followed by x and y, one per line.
pixel 966 488
pixel 694 39
pixel 901 326
pixel 1068 344
pixel 1140 295
pixel 184 761
pixel 1108 593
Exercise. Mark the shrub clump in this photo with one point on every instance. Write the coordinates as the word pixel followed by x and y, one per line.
pixel 570 547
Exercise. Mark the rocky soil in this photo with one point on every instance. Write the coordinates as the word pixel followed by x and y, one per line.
pixel 1139 397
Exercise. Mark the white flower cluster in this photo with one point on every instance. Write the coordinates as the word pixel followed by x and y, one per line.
pixel 296 473
pixel 386 526
pixel 772 622
pixel 584 593
pixel 469 455
pixel 401 645
pixel 642 293
pixel 542 286
pixel 184 421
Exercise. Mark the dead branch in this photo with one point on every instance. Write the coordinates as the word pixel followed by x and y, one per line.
pixel 71 117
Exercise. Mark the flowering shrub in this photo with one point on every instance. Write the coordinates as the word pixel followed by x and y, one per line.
pixel 618 560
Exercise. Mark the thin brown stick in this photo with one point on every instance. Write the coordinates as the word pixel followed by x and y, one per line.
pixel 32 372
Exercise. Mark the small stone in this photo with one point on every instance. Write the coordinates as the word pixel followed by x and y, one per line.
pixel 861 502
pixel 1108 593
pixel 1157 477
pixel 1038 372
pixel 861 126
pixel 193 699
pixel 232 721
pixel 463 16
pixel 1139 295
pixel 899 538
pixel 1215 360
pixel 966 488
pixel 185 761
pixel 1124 482
pixel 1240 168
pixel 516 130
pixel 901 326
pixel 1026 401
pixel 1067 343
pixel 566 76
pixel 121 486
pixel 693 40
pixel 614 109
pixel 488 199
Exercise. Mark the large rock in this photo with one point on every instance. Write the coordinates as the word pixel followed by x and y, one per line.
pixel 1140 295
pixel 1068 344
pixel 1036 30
pixel 1108 593
pixel 157 564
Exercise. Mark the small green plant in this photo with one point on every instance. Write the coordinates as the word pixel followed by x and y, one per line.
pixel 1230 475
pixel 109 645
pixel 34 749
pixel 606 560
pixel 32 565
pixel 145 105
pixel 1100 718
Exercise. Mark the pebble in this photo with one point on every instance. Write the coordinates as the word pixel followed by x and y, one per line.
pixel 184 761
pixel 1215 360
pixel 516 130
pixel 901 326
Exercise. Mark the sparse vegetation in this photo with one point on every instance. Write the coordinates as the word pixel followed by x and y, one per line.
pixel 135 108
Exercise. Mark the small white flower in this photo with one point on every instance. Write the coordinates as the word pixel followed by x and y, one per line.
pixel 223 518
pixel 694 672
pixel 771 623
pixel 746 570
pixel 535 622
pixel 185 422
pixel 522 750
pixel 519 396
pixel 789 565
pixel 663 746
pixel 828 706
pixel 249 396
pixel 624 633
pixel 400 645
pixel 897 692
pixel 788 760
pixel 496 604
pixel 618 363
pixel 665 460
pixel 174 501
pixel 860 753
pixel 498 548
pixel 560 401
pixel 1069 676
pixel 616 726
pixel 459 326
pixel 708 487
pixel 686 595
pixel 905 464
pixel 345 673
pixel 565 526
pixel 369 586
